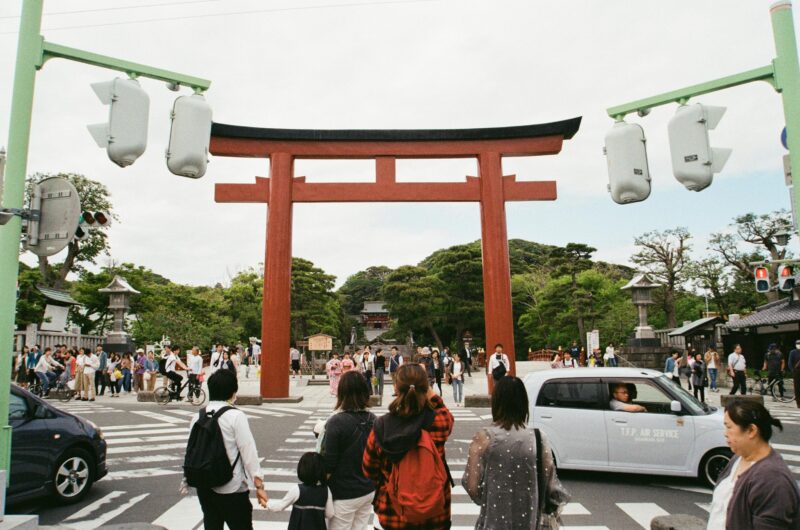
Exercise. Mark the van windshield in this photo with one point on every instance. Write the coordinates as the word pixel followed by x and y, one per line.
pixel 695 406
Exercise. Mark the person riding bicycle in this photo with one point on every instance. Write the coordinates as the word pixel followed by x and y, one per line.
pixel 774 364
pixel 45 370
pixel 173 362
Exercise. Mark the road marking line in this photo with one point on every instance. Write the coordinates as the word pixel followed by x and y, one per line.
pixel 304 440
pixel 293 410
pixel 692 489
pixel 147 449
pixel 791 457
pixel 144 439
pixel 89 508
pixel 786 447
pixel 139 426
pixel 185 514
pixel 107 516
pixel 642 512
pixel 704 506
pixel 147 459
pixel 575 508
pixel 166 430
pixel 159 417
pixel 142 473
pixel 264 412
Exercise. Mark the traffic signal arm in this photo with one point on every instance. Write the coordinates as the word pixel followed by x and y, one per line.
pixel 765 73
pixel 52 51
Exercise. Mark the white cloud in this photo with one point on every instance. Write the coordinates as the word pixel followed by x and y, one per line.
pixel 441 64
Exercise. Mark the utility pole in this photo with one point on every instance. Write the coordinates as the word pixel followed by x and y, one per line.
pixel 32 52
pixel 783 74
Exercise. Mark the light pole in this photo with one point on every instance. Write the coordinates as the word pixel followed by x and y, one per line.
pixel 32 52
pixel 783 74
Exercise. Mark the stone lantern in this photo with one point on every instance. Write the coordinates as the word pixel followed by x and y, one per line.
pixel 641 288
pixel 117 340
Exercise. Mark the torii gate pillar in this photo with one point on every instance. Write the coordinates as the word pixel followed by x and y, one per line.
pixel 282 189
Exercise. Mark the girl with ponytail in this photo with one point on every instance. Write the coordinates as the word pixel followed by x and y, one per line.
pixel 416 408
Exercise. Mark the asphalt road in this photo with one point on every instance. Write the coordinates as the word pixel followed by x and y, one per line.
pixel 146 444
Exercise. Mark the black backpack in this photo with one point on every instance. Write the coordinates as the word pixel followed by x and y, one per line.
pixel 206 463
pixel 162 366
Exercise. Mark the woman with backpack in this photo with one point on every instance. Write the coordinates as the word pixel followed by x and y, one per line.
pixel 343 442
pixel 405 456
pixel 504 456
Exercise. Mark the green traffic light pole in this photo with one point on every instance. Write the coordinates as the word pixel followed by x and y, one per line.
pixel 32 52
pixel 783 74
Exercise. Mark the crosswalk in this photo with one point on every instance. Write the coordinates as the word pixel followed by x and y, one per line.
pixel 152 444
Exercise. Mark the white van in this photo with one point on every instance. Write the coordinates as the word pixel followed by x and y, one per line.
pixel 677 435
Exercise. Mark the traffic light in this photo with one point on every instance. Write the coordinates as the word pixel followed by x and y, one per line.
pixel 694 161
pixel 786 279
pixel 626 155
pixel 762 279
pixel 187 154
pixel 125 134
pixel 89 220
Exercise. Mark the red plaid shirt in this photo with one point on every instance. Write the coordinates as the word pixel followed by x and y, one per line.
pixel 377 467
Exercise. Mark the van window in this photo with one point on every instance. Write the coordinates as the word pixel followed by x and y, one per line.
pixel 647 394
pixel 571 395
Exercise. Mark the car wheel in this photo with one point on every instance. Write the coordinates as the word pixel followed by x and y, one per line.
pixel 713 464
pixel 73 476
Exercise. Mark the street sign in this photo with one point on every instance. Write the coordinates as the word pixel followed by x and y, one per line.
pixel 301 344
pixel 59 209
pixel 320 342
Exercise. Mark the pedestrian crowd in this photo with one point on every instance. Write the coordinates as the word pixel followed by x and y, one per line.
pixel 575 357
pixel 441 366
pixel 366 464
pixel 90 373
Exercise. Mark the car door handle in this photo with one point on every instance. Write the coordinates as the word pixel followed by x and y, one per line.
pixel 621 421
pixel 546 417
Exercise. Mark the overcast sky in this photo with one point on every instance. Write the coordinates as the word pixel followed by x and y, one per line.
pixel 418 64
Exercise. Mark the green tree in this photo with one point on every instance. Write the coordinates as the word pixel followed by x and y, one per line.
pixel 571 261
pixel 665 255
pixel 415 299
pixel 30 302
pixel 759 231
pixel 315 307
pixel 243 301
pixel 362 286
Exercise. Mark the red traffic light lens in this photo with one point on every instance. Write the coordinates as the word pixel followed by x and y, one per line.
pixel 100 218
pixel 787 271
pixel 88 218
pixel 762 273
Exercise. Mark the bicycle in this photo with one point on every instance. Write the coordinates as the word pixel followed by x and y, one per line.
pixel 761 384
pixel 62 391
pixel 195 393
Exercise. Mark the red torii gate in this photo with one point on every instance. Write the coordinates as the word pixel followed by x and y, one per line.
pixel 282 189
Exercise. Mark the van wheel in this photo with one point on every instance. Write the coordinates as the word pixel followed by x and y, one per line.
pixel 73 476
pixel 713 464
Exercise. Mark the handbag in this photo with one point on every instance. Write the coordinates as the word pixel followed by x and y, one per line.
pixel 548 512
pixel 117 375
pixel 499 371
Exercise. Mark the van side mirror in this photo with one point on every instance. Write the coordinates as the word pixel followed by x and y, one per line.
pixel 675 406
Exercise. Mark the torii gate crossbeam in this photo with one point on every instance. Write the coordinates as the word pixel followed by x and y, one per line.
pixel 282 189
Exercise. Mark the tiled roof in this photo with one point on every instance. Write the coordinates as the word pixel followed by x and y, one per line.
pixel 61 297
pixel 778 312
pixel 691 326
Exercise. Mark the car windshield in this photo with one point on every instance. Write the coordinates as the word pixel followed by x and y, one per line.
pixel 695 406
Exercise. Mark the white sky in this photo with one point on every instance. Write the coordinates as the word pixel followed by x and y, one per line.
pixel 425 64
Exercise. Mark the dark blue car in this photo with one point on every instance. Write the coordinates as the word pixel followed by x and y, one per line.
pixel 53 453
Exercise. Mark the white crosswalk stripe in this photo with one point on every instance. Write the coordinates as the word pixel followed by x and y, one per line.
pixel 154 450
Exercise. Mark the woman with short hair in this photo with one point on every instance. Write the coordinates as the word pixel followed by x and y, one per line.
pixel 503 457
pixel 342 445
pixel 757 490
